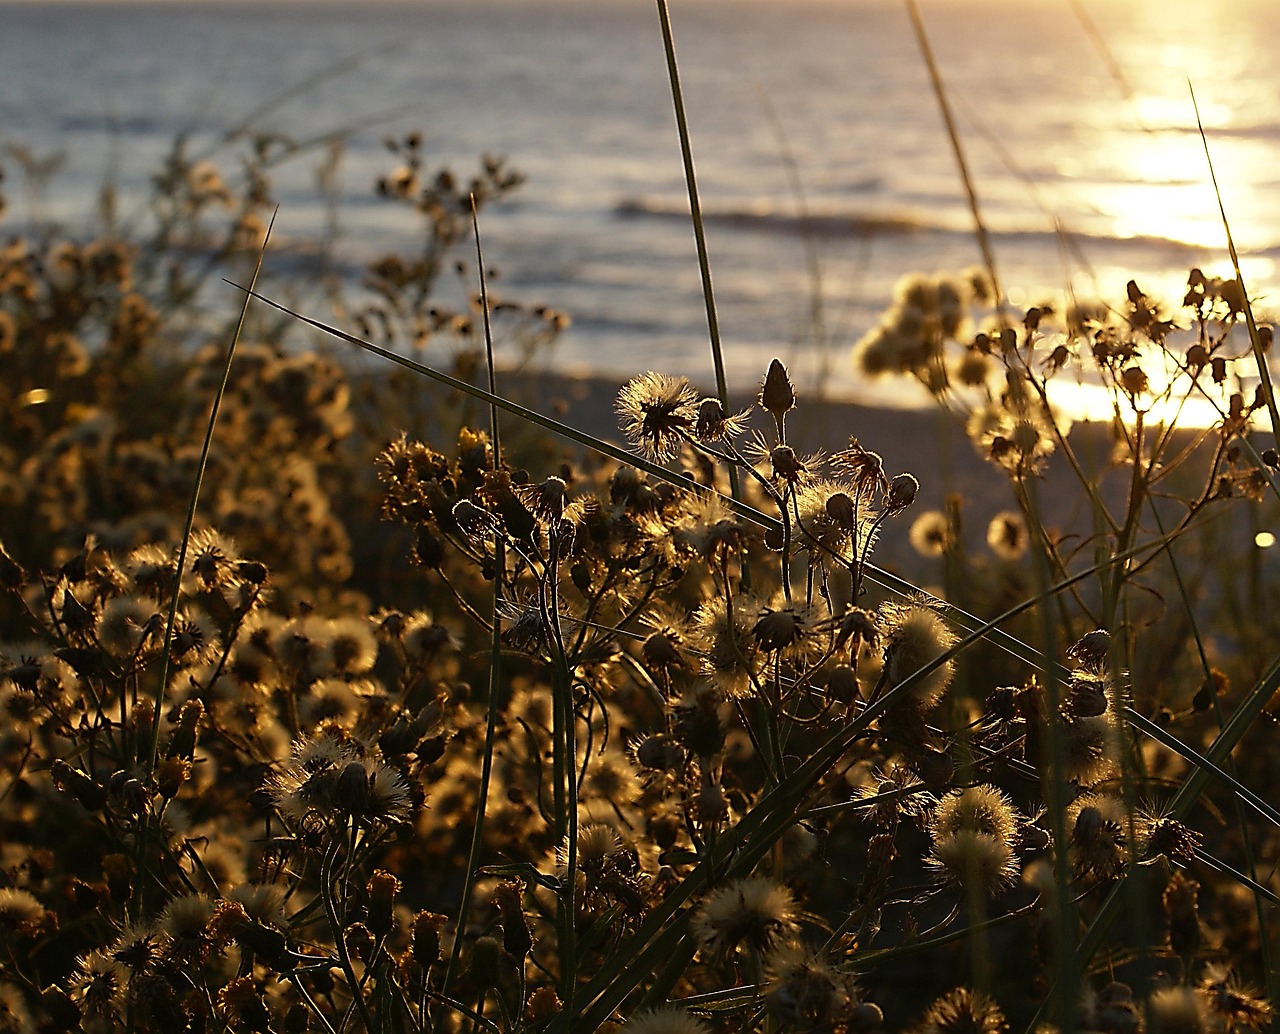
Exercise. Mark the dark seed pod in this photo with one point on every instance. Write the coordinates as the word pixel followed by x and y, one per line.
pixel 843 684
pixel 352 788
pixel 426 938
pixel 382 890
pixel 79 786
pixel 776 395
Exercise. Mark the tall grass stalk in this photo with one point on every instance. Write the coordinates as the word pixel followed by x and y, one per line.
pixel 957 150
pixel 189 524
pixel 695 216
pixel 1268 390
pixel 495 642
pixel 1264 371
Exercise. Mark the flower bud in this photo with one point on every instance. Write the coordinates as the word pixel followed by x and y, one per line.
pixel 902 493
pixel 776 395
pixel 382 890
pixel 486 957
pixel 171 773
pixel 516 939
pixel 426 938
pixel 361 942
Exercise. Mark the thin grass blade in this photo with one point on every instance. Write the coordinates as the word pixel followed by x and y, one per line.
pixel 172 617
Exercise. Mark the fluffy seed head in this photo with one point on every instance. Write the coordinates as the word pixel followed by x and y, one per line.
pixel 666 1019
pixel 754 914
pixel 914 637
pixel 963 1011
pixel 656 411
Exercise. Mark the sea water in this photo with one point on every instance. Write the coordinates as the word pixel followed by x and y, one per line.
pixel 823 164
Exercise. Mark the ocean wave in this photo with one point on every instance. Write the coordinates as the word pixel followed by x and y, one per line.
pixel 826 224
pixel 880 224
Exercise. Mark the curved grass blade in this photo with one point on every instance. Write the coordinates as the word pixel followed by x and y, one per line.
pixel 495 647
pixel 1264 372
pixel 172 617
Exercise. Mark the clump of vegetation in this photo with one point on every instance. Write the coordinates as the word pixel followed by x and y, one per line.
pixel 651 744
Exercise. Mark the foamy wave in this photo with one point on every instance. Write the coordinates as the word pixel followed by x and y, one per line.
pixel 760 219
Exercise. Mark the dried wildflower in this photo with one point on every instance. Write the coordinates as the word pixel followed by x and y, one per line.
pixel 212 558
pixel 137 948
pixel 1113 1009
pixel 724 637
pixel 184 923
pixel 979 862
pixel 423 639
pixel 713 425
pixel 777 630
pixel 152 571
pixel 127 622
pixel 1087 695
pixel 241 1003
pixel 1177 1010
pixel 547 500
pixel 334 779
pixel 301 645
pixel 425 940
pixel 982 808
pixel 1091 747
pixel 900 494
pixel 1134 381
pixel 660 753
pixel 665 1019
pixel 1007 535
pixel 1091 648
pixel 863 467
pixel 707 528
pixel 1233 1006
pixel 697 724
pixel 828 522
pixel 382 890
pixel 516 939
pixel 596 842
pixel 657 411
pixel 1098 844
pixel 842 684
pixel 98 984
pixel 973 368
pixel 352 647
pixel 787 466
pixel 930 534
pixel 661 650
pixel 1017 432
pixel 1166 837
pixel 711 805
pixel 915 636
pixel 1181 908
pixel 20 912
pixel 963 1011
pixel 754 914
pixel 804 991
pixel 611 778
pixel 195 640
pixel 484 963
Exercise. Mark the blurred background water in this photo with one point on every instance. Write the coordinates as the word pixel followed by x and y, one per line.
pixel 1089 172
